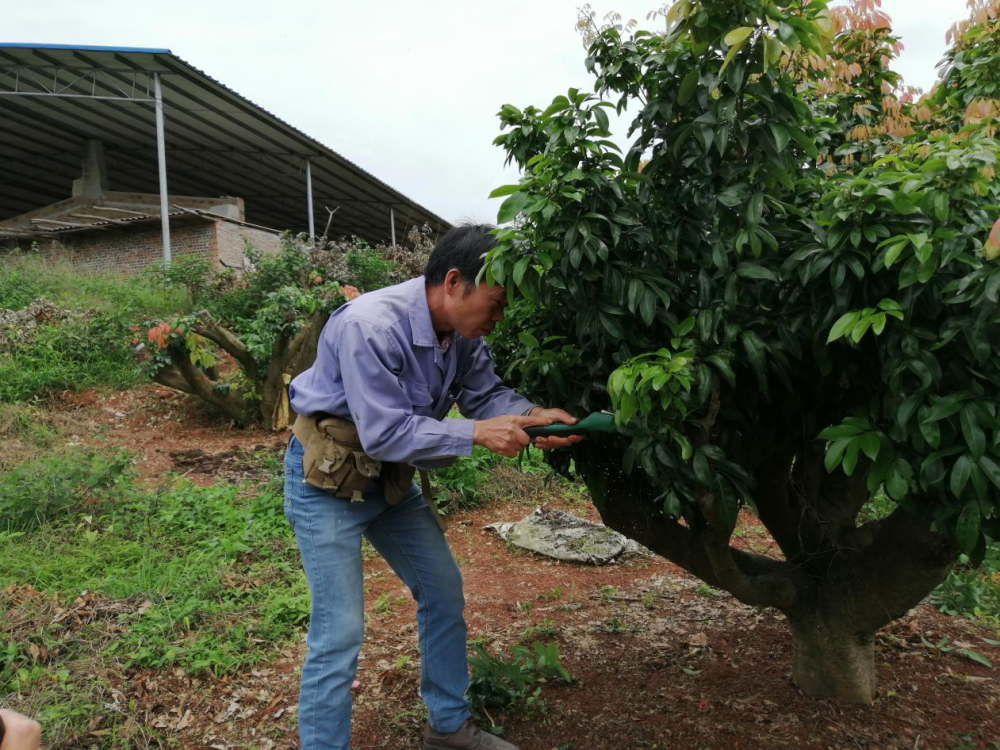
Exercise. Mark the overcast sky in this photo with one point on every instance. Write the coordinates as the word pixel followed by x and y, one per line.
pixel 408 90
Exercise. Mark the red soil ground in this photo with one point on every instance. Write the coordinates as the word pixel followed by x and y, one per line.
pixel 660 661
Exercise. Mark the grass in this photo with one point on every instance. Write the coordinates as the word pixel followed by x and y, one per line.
pixel 93 348
pixel 114 576
pixel 24 278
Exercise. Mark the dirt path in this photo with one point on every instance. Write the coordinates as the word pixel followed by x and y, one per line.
pixel 660 660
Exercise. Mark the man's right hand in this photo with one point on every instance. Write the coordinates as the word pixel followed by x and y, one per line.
pixel 505 435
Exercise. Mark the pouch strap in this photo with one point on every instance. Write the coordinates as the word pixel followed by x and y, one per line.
pixel 425 490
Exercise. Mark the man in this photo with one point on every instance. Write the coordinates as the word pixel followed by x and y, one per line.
pixel 393 362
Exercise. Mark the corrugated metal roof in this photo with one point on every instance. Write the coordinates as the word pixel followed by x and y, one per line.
pixel 218 142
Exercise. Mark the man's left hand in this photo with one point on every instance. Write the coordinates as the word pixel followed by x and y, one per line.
pixel 558 415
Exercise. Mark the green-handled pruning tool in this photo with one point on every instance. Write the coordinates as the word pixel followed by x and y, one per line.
pixel 599 421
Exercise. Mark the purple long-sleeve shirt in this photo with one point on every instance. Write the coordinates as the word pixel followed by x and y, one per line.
pixel 379 364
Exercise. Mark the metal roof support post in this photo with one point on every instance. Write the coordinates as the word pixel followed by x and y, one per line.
pixel 309 201
pixel 161 155
pixel 392 224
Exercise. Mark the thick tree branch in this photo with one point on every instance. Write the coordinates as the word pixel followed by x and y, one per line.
pixel 627 506
pixel 881 582
pixel 762 590
pixel 228 342
pixel 172 378
pixel 230 403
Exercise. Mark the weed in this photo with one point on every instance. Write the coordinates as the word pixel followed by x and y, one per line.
pixel 552 595
pixel 607 593
pixel 546 629
pixel 386 604
pixel 500 684
pixel 971 592
pixel 704 588
pixel 217 567
pixel 39 491
pixel 614 625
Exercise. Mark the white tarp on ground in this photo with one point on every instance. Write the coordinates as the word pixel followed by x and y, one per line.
pixel 562 535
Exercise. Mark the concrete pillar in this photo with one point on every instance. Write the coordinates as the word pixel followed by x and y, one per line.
pixel 93 181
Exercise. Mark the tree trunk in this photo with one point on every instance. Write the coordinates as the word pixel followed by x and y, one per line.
pixel 829 661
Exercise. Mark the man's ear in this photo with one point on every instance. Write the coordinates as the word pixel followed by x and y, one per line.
pixel 452 281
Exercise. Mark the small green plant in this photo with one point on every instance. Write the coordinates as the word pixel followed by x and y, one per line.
pixel 385 605
pixel 971 592
pixel 464 480
pixel 551 595
pixel 546 629
pixel 501 684
pixel 607 593
pixel 614 625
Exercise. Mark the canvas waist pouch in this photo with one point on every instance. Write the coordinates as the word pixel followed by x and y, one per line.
pixel 335 461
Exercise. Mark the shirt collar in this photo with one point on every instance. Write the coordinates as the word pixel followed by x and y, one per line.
pixel 421 328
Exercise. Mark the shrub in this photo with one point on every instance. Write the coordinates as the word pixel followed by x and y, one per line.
pixel 39 491
pixel 268 321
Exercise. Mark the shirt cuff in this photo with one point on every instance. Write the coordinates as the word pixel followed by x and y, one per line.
pixel 461 436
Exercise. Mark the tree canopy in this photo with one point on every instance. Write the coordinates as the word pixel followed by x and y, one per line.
pixel 786 289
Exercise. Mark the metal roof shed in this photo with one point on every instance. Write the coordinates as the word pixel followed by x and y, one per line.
pixel 56 98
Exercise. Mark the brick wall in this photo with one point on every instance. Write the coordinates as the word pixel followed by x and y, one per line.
pixel 128 250
pixel 233 238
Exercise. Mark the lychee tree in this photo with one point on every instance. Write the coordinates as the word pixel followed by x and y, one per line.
pixel 791 308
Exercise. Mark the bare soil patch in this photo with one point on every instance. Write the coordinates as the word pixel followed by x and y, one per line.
pixel 660 660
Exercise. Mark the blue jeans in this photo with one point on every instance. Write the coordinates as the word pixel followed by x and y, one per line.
pixel 328 531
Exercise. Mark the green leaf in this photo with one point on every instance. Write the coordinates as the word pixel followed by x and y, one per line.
pixel 975 656
pixel 701 471
pixel 907 408
pixel 851 456
pixel 780 136
pixel 530 341
pixel 834 454
pixel 511 207
pixel 991 470
pixel 967 527
pixel 975 438
pixel 672 505
pixel 735 39
pixel 960 476
pixel 504 190
pixel 737 36
pixel 845 323
pixel 896 485
pixel 519 268
pixel 870 444
pixel 684 327
pixel 688 86
pixel 755 271
pixel 602 118
pixel 838 432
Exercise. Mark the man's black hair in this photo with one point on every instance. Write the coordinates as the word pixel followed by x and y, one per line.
pixel 461 248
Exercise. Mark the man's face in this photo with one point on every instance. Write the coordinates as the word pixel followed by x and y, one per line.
pixel 474 311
